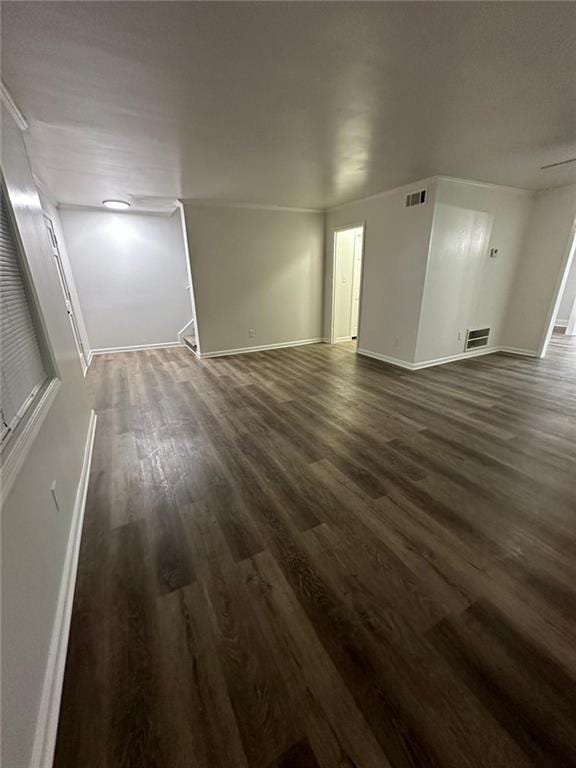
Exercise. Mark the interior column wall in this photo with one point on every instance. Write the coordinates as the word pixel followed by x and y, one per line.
pixel 396 241
pixel 465 287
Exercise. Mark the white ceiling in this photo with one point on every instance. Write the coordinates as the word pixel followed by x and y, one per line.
pixel 296 104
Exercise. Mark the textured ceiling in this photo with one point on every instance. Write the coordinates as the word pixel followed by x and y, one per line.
pixel 296 104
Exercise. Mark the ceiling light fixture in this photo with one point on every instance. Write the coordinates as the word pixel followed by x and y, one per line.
pixel 116 205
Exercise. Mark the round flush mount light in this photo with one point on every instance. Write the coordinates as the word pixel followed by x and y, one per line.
pixel 116 205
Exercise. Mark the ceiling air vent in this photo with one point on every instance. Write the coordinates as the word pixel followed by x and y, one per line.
pixel 415 198
pixel 477 338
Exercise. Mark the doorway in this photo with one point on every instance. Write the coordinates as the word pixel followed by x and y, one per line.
pixel 66 292
pixel 562 318
pixel 565 317
pixel 347 284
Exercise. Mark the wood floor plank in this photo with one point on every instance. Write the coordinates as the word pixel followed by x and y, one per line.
pixel 134 722
pixel 298 756
pixel 332 718
pixel 303 558
pixel 202 725
pixel 267 723
pixel 531 695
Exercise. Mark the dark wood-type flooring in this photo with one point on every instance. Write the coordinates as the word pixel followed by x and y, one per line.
pixel 306 558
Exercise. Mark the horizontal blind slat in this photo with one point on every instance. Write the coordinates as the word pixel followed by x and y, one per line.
pixel 22 367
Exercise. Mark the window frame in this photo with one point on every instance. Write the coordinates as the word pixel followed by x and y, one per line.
pixel 17 441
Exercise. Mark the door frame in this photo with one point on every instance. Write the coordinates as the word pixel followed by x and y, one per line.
pixel 71 309
pixel 360 225
pixel 190 287
pixel 567 259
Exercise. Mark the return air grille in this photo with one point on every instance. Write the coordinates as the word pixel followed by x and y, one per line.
pixel 477 338
pixel 415 198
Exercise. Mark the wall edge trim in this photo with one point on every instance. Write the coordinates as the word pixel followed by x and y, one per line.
pixel 519 351
pixel 12 107
pixel 456 358
pixel 490 185
pixel 444 360
pixel 262 348
pixel 12 463
pixel 132 211
pixel 386 359
pixel 134 348
pixel 49 710
pixel 200 203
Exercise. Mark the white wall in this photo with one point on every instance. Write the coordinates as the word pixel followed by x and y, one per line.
pixel 34 532
pixel 395 256
pixel 131 276
pixel 255 268
pixel 464 287
pixel 546 246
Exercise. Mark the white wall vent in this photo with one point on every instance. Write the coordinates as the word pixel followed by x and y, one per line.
pixel 415 198
pixel 477 338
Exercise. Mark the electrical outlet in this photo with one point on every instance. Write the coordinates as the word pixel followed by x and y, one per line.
pixel 396 342
pixel 54 497
pixel 251 332
pixel 459 335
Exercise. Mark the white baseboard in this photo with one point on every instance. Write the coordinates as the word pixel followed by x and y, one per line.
pixel 385 359
pixel 455 358
pixel 443 360
pixel 263 348
pixel 560 323
pixel 135 348
pixel 49 710
pixel 519 351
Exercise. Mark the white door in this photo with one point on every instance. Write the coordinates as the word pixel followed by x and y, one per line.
pixel 356 281
pixel 65 289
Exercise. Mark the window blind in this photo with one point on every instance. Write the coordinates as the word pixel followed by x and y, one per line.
pixel 22 371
